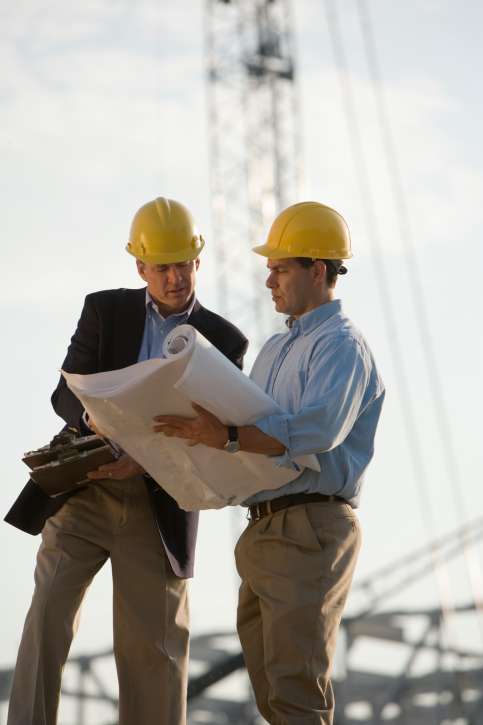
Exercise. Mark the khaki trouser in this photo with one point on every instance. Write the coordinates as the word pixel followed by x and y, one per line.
pixel 110 519
pixel 296 568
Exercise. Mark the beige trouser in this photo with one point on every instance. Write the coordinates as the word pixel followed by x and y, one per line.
pixel 296 568
pixel 110 519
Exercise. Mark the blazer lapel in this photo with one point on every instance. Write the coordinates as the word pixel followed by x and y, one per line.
pixel 130 319
pixel 199 319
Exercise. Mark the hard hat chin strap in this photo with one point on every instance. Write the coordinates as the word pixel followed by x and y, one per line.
pixel 337 265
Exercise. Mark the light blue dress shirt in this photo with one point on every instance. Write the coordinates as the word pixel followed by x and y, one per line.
pixel 323 374
pixel 156 328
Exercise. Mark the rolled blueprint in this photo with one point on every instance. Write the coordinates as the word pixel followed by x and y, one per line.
pixel 123 403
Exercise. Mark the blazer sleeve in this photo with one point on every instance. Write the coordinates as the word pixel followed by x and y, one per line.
pixel 82 357
pixel 237 354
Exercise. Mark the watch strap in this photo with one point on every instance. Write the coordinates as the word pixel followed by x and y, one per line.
pixel 232 433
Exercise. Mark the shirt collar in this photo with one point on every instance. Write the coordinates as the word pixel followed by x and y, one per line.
pixel 308 322
pixel 150 304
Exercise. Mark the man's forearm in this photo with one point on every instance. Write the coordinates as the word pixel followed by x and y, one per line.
pixel 208 430
pixel 253 440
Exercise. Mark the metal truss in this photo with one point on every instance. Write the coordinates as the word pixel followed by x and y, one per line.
pixel 435 682
pixel 368 594
pixel 449 691
pixel 255 146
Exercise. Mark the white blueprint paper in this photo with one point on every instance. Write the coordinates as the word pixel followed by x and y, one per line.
pixel 123 403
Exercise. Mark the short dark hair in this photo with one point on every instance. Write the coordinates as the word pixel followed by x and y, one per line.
pixel 331 273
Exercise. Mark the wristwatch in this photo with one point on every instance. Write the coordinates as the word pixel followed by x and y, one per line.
pixel 233 444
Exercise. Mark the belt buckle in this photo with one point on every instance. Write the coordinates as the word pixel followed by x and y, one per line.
pixel 259 515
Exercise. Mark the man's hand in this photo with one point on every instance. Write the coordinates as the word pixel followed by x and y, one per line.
pixel 204 429
pixel 208 430
pixel 125 467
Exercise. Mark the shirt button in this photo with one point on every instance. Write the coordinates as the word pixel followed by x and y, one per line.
pixel 161 332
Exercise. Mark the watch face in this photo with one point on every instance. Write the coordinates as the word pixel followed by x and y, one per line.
pixel 232 446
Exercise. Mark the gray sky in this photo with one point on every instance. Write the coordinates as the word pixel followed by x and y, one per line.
pixel 102 108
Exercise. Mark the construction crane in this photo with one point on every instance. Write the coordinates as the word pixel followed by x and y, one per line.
pixel 255 145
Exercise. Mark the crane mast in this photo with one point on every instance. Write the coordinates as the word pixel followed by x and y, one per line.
pixel 255 146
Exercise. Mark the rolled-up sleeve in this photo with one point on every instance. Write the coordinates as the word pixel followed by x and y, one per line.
pixel 333 398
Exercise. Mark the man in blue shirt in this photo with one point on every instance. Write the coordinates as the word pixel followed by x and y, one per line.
pixel 297 556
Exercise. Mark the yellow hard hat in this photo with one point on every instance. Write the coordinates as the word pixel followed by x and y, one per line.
pixel 308 229
pixel 163 231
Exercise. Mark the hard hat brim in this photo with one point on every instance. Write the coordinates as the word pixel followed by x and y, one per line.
pixel 185 255
pixel 265 250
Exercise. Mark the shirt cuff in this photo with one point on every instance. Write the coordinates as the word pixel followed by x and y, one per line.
pixel 276 426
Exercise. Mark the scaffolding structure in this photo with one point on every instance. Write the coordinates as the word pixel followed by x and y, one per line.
pixel 255 146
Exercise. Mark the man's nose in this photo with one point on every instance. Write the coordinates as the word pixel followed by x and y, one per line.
pixel 174 274
pixel 271 283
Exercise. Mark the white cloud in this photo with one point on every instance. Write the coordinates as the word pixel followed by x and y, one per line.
pixel 84 109
pixel 54 22
pixel 178 25
pixel 442 182
pixel 99 69
pixel 88 134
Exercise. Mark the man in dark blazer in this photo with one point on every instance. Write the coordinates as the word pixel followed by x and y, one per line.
pixel 151 556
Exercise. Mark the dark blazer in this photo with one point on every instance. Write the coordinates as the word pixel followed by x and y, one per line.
pixel 108 337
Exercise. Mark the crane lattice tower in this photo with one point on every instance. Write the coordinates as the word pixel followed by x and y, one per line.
pixel 255 146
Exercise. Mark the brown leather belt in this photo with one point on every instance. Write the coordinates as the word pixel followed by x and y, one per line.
pixel 264 508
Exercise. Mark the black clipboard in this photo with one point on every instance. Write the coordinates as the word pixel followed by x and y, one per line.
pixel 63 464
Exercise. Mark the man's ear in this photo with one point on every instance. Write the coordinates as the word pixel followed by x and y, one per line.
pixel 141 271
pixel 197 263
pixel 319 271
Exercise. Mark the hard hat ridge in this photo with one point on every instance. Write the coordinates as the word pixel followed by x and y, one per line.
pixel 162 205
